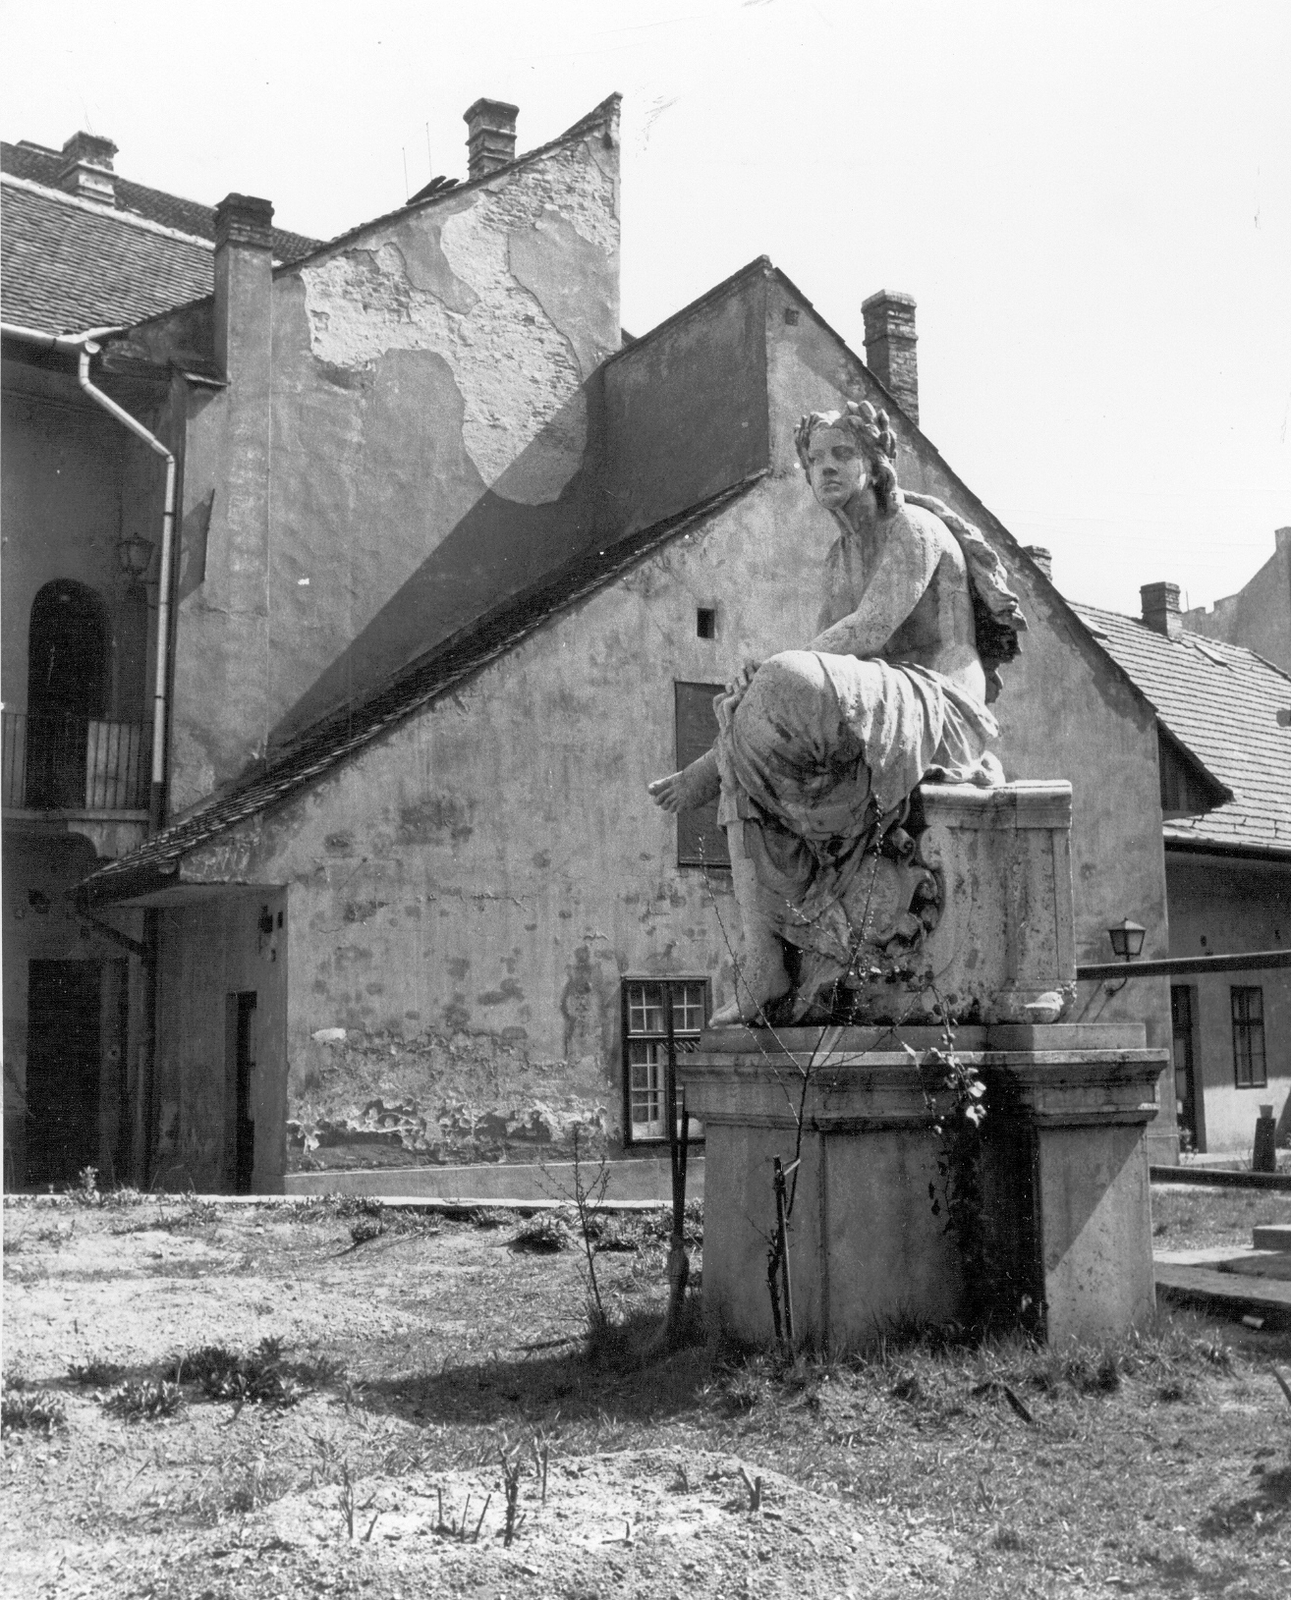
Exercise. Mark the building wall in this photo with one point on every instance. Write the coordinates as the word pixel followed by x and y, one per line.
pixel 468 894
pixel 1259 614
pixel 1224 906
pixel 39 872
pixel 216 945
pixel 74 483
pixel 414 450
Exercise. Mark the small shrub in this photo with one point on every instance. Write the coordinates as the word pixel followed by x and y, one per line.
pixel 85 1191
pixel 356 1205
pixel 35 1410
pixel 543 1234
pixel 1006 1538
pixel 96 1373
pixel 365 1230
pixel 209 1361
pixel 146 1400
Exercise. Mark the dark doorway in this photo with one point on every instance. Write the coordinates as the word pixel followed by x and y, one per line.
pixel 240 1128
pixel 67 688
pixel 63 1050
pixel 1183 1018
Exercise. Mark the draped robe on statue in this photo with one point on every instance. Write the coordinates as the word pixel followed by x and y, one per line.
pixel 823 750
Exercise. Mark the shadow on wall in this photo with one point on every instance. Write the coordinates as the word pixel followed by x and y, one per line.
pixel 497 549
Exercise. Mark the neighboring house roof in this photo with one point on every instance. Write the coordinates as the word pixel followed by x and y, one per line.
pixel 1221 703
pixel 437 673
pixel 71 263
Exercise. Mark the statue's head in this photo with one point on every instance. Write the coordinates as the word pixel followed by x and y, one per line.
pixel 843 451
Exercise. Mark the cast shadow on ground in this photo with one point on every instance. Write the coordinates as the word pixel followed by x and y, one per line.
pixel 636 1387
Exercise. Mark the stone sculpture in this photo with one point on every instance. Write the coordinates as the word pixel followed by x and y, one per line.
pixel 820 749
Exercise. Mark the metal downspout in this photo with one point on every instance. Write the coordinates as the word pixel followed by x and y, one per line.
pixel 83 346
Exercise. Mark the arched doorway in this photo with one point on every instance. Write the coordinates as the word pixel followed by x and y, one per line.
pixel 67 688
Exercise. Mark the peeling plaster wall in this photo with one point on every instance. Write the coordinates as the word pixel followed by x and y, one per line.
pixel 212 948
pixel 467 895
pixel 424 452
pixel 1223 904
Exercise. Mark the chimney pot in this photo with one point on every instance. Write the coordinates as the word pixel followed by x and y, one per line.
pixel 491 136
pixel 1161 610
pixel 1282 538
pixel 889 347
pixel 87 168
pixel 1042 557
pixel 243 219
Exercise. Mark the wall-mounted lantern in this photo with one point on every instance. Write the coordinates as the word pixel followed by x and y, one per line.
pixel 134 556
pixel 1127 939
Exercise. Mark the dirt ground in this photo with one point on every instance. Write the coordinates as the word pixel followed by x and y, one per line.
pixel 402 1368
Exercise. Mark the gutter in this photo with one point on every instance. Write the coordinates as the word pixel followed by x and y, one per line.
pixel 83 346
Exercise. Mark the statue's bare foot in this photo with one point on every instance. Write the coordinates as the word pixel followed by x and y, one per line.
pixel 759 979
pixel 688 789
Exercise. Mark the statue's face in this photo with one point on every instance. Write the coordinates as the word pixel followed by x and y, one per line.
pixel 835 467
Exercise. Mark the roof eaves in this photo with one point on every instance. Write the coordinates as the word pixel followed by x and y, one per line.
pixel 594 118
pixel 440 672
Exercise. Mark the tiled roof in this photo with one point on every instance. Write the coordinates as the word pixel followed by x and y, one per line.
pixel 437 673
pixel 71 264
pixel 67 267
pixel 185 216
pixel 1220 702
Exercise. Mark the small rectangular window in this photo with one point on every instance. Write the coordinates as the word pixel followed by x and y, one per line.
pixel 648 1006
pixel 701 842
pixel 1249 1066
pixel 706 622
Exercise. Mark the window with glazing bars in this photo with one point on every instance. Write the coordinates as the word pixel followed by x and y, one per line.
pixel 1249 1065
pixel 658 1014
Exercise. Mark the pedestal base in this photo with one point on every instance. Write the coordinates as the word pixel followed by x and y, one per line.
pixel 1065 1217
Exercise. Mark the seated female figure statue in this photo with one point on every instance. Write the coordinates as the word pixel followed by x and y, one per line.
pixel 819 749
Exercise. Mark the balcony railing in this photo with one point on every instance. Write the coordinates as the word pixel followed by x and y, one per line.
pixel 57 763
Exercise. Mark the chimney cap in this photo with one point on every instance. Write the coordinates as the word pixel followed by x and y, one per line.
pixel 87 168
pixel 497 111
pixel 491 140
pixel 895 297
pixel 244 219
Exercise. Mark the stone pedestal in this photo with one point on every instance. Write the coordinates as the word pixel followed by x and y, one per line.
pixel 1065 1178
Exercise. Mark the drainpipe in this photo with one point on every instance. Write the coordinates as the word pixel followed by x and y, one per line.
pixel 83 346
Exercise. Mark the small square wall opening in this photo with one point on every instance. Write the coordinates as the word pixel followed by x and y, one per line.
pixel 706 622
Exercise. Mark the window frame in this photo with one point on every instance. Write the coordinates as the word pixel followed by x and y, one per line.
pixel 1250 1053
pixel 688 858
pixel 669 1034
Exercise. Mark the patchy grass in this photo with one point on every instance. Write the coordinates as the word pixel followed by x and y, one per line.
pixel 1199 1219
pixel 1160 1465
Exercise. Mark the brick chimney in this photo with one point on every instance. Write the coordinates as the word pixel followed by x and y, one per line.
pixel 889 347
pixel 1042 558
pixel 1161 610
pixel 491 136
pixel 243 283
pixel 87 168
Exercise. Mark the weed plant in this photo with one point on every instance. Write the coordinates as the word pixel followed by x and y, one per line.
pixel 31 1410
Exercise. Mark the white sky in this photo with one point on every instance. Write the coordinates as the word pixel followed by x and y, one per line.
pixel 1090 201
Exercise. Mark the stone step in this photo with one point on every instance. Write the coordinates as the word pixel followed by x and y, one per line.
pixel 1273 1236
pixel 1204 1285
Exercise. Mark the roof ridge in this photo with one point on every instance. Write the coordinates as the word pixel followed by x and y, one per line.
pixel 108 213
pixel 470 650
pixel 596 115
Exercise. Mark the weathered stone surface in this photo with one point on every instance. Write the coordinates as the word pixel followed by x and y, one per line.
pixel 1065 1178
